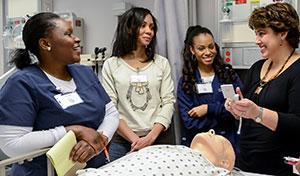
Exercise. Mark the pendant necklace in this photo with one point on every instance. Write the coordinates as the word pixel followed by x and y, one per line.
pixel 262 82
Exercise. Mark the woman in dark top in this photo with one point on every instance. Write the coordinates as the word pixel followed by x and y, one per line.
pixel 272 94
pixel 199 97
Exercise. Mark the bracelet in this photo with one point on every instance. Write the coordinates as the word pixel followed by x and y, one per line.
pixel 258 118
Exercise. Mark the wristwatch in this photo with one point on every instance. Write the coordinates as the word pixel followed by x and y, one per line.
pixel 258 118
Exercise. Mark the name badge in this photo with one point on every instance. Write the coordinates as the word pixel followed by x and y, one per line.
pixel 138 78
pixel 67 100
pixel 204 88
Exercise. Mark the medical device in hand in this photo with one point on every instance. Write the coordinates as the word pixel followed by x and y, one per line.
pixel 228 92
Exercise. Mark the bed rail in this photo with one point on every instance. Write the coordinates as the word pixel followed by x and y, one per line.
pixel 26 157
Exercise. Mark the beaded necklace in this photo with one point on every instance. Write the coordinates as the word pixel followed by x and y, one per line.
pixel 262 82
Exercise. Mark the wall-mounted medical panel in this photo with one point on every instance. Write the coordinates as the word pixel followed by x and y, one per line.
pixel 241 55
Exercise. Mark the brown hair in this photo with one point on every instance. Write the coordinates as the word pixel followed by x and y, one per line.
pixel 280 17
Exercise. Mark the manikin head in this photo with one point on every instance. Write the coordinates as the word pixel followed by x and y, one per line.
pixel 217 149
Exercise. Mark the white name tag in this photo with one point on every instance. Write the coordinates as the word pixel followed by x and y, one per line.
pixel 204 88
pixel 138 78
pixel 67 100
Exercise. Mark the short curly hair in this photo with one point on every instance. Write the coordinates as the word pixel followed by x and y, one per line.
pixel 280 17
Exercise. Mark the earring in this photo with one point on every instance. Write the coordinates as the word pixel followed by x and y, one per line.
pixel 281 41
pixel 49 48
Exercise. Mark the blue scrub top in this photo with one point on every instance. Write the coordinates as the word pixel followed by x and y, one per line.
pixel 217 117
pixel 27 100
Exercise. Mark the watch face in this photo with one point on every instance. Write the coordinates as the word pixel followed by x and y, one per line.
pixel 258 119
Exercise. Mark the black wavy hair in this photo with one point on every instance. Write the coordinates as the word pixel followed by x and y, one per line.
pixel 223 71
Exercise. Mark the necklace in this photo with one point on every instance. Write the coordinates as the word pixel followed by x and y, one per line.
pixel 262 82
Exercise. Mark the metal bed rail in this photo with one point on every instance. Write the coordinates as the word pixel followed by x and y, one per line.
pixel 26 157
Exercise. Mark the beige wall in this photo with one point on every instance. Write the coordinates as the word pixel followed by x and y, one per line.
pixel 17 8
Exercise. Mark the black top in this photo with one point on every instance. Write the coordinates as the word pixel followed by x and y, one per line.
pixel 262 150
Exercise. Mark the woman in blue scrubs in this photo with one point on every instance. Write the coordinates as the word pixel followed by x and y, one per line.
pixel 199 96
pixel 44 100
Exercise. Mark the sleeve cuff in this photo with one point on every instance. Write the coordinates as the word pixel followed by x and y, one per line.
pixel 164 121
pixel 211 108
pixel 58 133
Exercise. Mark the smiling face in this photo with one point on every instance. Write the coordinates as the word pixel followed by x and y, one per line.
pixel 65 46
pixel 146 32
pixel 268 41
pixel 204 49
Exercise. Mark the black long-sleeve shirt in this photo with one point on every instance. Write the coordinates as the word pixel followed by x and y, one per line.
pixel 262 150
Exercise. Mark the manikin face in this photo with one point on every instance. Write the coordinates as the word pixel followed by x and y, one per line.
pixel 65 46
pixel 268 41
pixel 215 148
pixel 146 31
pixel 204 49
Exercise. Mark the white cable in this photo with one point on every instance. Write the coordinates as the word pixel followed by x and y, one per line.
pixel 240 126
pixel 236 98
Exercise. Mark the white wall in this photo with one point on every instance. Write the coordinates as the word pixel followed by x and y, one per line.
pixel 149 4
pixel 21 7
pixel 99 20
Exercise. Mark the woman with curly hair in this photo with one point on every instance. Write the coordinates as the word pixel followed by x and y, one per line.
pixel 270 109
pixel 199 96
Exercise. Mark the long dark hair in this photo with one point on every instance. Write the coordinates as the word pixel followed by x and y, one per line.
pixel 126 35
pixel 38 26
pixel 223 71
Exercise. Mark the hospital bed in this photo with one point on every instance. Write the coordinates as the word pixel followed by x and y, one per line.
pixel 4 77
pixel 26 157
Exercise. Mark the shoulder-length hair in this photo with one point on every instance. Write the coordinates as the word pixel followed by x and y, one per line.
pixel 126 35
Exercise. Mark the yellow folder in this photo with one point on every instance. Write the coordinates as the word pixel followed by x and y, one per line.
pixel 59 156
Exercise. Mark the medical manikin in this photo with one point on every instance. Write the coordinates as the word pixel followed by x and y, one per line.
pixel 209 154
